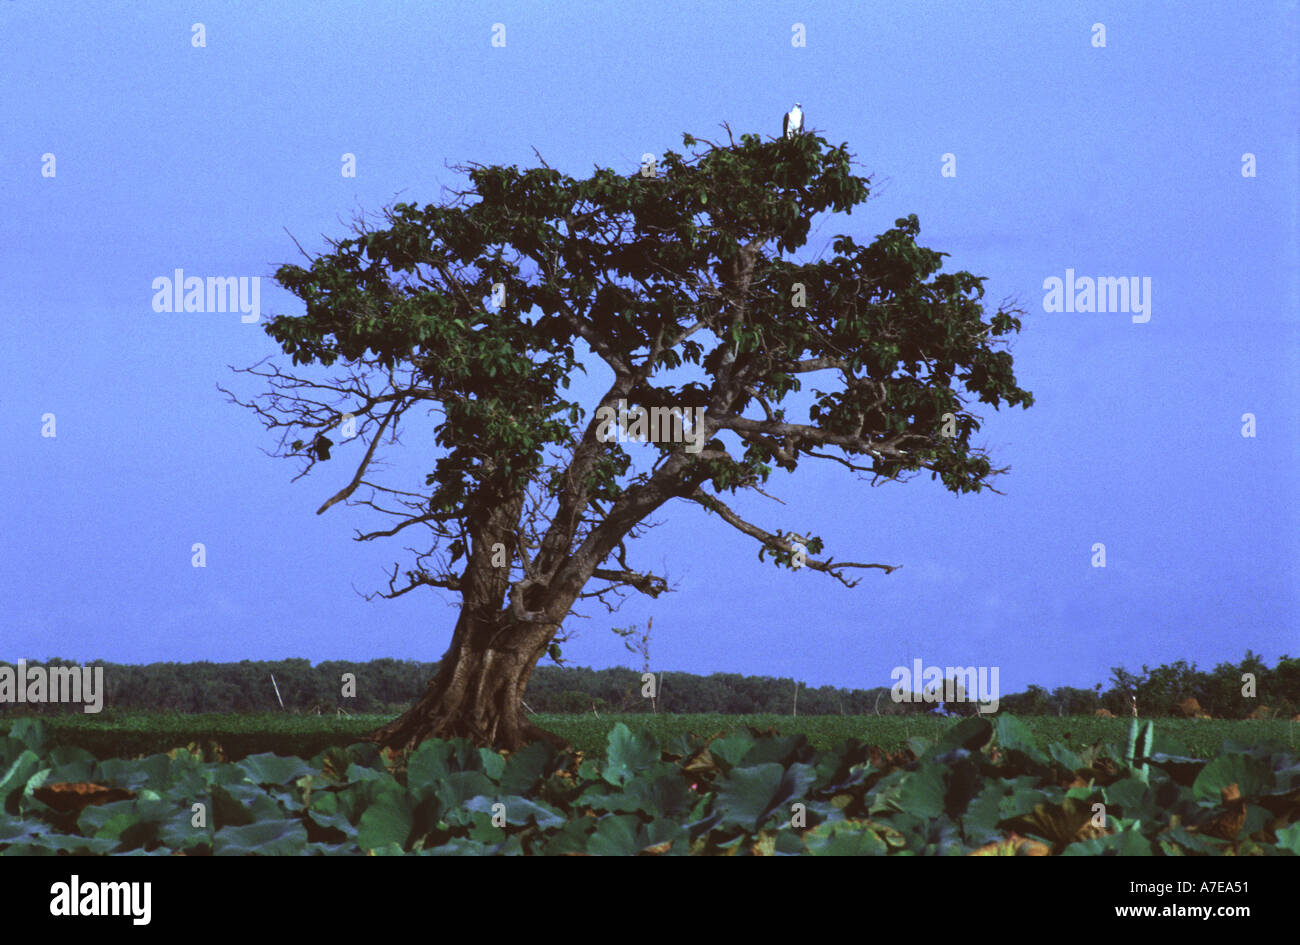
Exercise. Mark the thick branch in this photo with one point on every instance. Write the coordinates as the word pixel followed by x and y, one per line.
pixel 777 542
pixel 650 584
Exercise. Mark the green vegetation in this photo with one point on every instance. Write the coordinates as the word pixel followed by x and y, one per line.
pixel 116 734
pixel 388 686
pixel 980 787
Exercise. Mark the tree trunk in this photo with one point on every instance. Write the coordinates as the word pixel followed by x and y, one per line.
pixel 478 692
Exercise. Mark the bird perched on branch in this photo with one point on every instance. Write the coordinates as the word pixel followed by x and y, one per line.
pixel 320 446
pixel 793 121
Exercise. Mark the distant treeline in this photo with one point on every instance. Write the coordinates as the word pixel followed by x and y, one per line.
pixel 387 685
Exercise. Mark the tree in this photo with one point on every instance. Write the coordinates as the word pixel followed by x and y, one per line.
pixel 1124 686
pixel 680 283
pixel 638 641
pixel 1033 701
pixel 1164 687
pixel 1069 700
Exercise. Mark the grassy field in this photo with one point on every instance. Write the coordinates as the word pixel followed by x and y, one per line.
pixel 121 734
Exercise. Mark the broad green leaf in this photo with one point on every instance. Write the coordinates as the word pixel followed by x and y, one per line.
pixel 571 838
pixel 971 734
pixel 615 835
pixel 525 767
pixel 14 828
pixel 627 754
pixel 16 777
pixel 1125 843
pixel 844 838
pixel 30 732
pixel 107 820
pixel 268 768
pixel 459 847
pixel 520 811
pixel 389 819
pixel 782 749
pixel 269 838
pixel 732 748
pixel 979 822
pixel 179 833
pixel 1014 735
pixel 1288 838
pixel 923 791
pixel 750 796
pixel 225 811
pixel 430 763
pixel 1064 757
pixel 493 763
pixel 456 790
pixel 666 795
pixel 70 763
pixel 54 844
pixel 154 771
pixel 1252 776
pixel 1180 842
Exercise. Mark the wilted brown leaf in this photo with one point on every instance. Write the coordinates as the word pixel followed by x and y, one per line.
pixel 1013 845
pixel 1062 825
pixel 68 795
pixel 702 762
pixel 884 760
pixel 1227 825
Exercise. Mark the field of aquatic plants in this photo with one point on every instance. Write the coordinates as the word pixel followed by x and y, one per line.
pixel 982 787
pixel 118 733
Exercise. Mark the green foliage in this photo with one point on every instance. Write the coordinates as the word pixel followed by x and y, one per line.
pixel 1161 689
pixel 691 268
pixel 1137 752
pixel 388 685
pixel 232 737
pixel 977 788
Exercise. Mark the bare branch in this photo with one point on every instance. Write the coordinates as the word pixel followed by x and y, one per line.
pixel 361 469
pixel 649 584
pixel 779 542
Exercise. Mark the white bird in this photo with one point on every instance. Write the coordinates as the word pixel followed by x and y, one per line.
pixel 793 121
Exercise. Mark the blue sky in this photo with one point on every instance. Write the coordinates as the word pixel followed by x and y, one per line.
pixel 1117 161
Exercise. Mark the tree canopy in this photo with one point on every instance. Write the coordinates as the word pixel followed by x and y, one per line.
pixel 681 280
